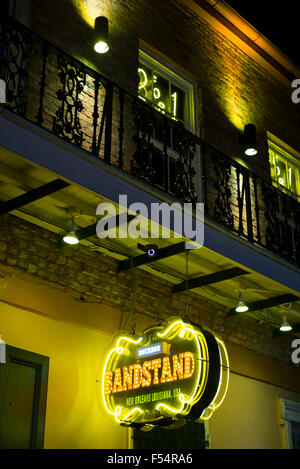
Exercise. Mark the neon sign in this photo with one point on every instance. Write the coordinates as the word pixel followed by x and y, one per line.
pixel 174 371
pixel 161 92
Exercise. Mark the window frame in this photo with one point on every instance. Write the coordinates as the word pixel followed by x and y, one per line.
pixel 290 412
pixel 290 158
pixel 20 10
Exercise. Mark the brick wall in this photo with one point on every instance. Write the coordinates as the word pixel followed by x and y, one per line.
pixel 92 276
pixel 234 90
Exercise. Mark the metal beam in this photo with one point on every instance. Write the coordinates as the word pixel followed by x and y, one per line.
pixel 88 231
pixel 263 304
pixel 32 196
pixel 208 279
pixel 144 259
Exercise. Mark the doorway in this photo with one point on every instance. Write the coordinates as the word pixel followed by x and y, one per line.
pixel 190 436
pixel 23 396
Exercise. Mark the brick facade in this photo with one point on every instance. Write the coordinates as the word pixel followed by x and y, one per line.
pixel 92 276
pixel 232 89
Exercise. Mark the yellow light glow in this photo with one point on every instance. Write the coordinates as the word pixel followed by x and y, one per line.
pixel 223 383
pixel 174 96
pixel 156 93
pixel 184 366
pixel 142 86
pixel 199 388
pixel 119 350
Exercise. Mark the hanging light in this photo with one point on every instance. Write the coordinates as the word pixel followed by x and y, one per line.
pixel 241 307
pixel 249 140
pixel 285 326
pixel 101 35
pixel 71 237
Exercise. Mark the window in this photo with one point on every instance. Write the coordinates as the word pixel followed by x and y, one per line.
pixel 290 414
pixel 285 170
pixel 163 139
pixel 19 10
pixel 168 91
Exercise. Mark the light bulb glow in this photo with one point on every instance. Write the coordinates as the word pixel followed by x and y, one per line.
pixel 251 151
pixel 101 47
pixel 241 307
pixel 285 327
pixel 71 238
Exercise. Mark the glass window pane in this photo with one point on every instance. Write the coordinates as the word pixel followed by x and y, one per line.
pixel 158 89
pixel 295 428
pixel 272 165
pixel 281 174
pixel 284 173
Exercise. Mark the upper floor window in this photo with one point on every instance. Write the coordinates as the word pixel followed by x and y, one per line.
pixel 168 91
pixel 285 170
pixel 19 10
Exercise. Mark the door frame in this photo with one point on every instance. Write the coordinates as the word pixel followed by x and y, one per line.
pixel 41 364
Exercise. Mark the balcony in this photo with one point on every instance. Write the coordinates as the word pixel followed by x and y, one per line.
pixel 63 96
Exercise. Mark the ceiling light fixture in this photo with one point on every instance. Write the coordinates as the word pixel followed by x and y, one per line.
pixel 101 35
pixel 241 306
pixel 285 326
pixel 71 237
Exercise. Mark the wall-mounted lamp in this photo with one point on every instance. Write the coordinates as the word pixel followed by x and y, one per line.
pixel 248 140
pixel 101 35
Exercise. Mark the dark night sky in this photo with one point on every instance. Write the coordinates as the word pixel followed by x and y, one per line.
pixel 278 21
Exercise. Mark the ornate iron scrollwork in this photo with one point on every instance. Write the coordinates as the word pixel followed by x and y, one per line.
pixel 184 182
pixel 145 163
pixel 271 202
pixel 154 161
pixel 15 48
pixel 222 203
pixel 66 123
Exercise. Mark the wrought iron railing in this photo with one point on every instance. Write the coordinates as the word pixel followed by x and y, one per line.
pixel 250 206
pixel 74 102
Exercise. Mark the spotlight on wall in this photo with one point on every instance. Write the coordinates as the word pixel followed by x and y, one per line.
pixel 101 35
pixel 150 249
pixel 248 140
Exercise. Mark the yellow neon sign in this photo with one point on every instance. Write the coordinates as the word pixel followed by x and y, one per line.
pixel 148 88
pixel 149 389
